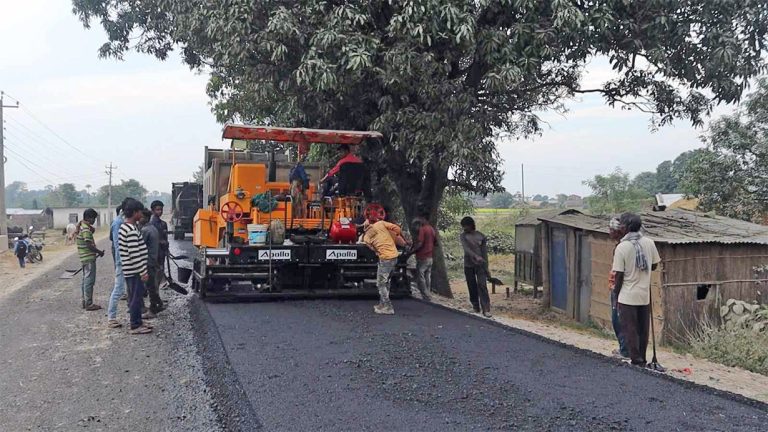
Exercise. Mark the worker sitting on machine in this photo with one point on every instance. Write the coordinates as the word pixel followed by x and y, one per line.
pixel 330 181
pixel 383 238
pixel 299 185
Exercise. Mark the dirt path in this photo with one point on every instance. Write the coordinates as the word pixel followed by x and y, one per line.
pixel 63 369
pixel 520 311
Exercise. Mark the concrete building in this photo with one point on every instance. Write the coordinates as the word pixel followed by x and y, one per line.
pixel 64 216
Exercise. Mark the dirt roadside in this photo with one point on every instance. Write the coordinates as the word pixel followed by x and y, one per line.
pixel 63 369
pixel 519 311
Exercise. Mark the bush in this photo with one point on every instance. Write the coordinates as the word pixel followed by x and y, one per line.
pixel 500 242
pixel 739 346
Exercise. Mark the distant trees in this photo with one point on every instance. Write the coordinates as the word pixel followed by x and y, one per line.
pixel 614 193
pixel 502 200
pixel 127 188
pixel 18 194
pixel 199 174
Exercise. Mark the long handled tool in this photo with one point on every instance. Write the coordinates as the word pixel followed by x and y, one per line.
pixel 70 274
pixel 654 364
pixel 171 284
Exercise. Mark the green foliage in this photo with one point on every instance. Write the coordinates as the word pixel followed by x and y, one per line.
pixel 441 78
pixel 740 346
pixel 127 188
pixel 453 207
pixel 646 182
pixel 730 176
pixel 500 242
pixel 614 193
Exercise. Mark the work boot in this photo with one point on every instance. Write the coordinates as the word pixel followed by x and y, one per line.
pixel 92 307
pixel 384 309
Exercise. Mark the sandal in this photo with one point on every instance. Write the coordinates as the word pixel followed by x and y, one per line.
pixel 140 330
pixel 114 324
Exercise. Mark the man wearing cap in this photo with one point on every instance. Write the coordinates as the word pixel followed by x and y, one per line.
pixel 383 237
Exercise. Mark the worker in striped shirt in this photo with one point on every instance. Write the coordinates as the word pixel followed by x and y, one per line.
pixel 88 252
pixel 133 257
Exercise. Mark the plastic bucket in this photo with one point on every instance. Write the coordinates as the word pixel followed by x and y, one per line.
pixel 184 274
pixel 257 234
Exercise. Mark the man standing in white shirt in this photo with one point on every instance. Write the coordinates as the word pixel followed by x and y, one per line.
pixel 634 259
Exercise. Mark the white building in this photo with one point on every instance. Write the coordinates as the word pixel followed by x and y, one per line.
pixel 64 216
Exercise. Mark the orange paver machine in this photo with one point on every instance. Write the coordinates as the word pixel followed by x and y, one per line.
pixel 260 238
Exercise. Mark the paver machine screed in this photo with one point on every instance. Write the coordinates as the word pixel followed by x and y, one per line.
pixel 243 253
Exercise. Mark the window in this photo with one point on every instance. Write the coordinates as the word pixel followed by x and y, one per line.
pixel 702 291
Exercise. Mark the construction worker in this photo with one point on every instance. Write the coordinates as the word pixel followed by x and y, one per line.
pixel 476 269
pixel 383 238
pixel 634 259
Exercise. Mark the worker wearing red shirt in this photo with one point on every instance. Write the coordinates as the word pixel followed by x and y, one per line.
pixel 346 157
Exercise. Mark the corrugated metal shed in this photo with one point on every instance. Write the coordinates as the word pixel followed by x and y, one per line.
pixel 536 216
pixel 677 227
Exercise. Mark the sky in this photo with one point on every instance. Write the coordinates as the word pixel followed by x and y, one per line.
pixel 152 119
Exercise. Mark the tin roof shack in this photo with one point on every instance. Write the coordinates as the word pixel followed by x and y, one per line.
pixel 527 248
pixel 705 261
pixel 19 220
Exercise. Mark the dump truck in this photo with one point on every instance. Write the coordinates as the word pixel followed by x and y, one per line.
pixel 186 200
pixel 312 248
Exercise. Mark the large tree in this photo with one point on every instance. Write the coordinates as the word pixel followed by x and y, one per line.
pixel 730 176
pixel 441 79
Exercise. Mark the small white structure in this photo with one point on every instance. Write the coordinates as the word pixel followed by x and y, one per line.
pixel 64 216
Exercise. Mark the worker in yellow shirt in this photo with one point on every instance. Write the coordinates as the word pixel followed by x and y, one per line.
pixel 383 238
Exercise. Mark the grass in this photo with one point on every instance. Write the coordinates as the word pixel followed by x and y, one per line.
pixel 741 346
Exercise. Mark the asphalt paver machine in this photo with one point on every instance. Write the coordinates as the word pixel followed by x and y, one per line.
pixel 257 241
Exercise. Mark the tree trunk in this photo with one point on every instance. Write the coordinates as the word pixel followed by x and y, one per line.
pixel 425 195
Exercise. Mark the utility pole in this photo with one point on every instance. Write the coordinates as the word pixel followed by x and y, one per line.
pixel 3 215
pixel 522 173
pixel 109 170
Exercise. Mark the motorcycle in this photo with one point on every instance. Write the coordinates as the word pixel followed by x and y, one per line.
pixel 35 250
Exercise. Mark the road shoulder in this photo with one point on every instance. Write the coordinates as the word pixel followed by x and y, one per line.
pixel 64 369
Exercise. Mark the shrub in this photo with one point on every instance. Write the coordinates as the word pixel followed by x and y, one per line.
pixel 500 242
pixel 739 346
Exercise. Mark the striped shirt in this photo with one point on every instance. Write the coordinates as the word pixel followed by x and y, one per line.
pixel 133 250
pixel 85 238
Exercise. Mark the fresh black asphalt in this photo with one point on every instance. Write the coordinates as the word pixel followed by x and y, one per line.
pixel 334 365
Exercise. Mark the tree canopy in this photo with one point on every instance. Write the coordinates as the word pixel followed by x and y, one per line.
pixel 442 79
pixel 127 188
pixel 615 193
pixel 730 176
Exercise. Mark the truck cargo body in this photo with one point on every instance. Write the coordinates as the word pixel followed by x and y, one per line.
pixel 186 199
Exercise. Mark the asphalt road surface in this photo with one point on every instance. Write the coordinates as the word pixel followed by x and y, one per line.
pixel 335 365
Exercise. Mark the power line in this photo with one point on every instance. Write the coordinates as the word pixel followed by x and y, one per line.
pixel 30 168
pixel 19 140
pixel 32 135
pixel 49 129
pixel 62 179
